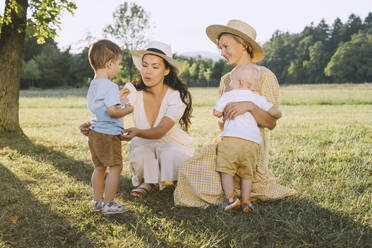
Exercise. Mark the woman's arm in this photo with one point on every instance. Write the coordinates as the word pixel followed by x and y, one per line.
pixel 263 118
pixel 157 132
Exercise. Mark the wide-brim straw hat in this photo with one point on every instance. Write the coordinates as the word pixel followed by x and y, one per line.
pixel 241 29
pixel 160 49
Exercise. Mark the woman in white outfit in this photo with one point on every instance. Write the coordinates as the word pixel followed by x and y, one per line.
pixel 162 110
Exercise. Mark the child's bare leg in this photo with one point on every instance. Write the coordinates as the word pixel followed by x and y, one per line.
pixel 112 182
pixel 227 184
pixel 98 182
pixel 245 186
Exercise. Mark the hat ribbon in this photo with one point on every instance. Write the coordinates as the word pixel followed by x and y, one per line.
pixel 155 50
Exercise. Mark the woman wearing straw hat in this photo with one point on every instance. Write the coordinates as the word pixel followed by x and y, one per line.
pixel 162 110
pixel 199 184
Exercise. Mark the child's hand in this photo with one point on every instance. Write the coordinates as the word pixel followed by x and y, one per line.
pixel 129 134
pixel 129 108
pixel 221 123
pixel 217 113
pixel 124 93
pixel 84 128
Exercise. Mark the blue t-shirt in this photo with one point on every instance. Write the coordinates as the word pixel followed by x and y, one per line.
pixel 103 93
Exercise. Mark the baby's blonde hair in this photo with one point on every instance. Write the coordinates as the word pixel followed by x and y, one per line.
pixel 250 74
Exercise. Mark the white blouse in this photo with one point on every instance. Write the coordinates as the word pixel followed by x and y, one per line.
pixel 172 107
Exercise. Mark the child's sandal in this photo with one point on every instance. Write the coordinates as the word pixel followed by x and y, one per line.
pixel 97 205
pixel 247 206
pixel 229 203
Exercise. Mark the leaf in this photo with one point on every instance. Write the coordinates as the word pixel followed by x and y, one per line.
pixel 13 219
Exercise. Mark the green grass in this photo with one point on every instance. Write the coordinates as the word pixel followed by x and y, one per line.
pixel 322 147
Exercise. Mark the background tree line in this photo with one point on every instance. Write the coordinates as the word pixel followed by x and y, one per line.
pixel 321 53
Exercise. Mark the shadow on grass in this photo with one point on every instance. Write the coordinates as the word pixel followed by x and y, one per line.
pixel 24 146
pixel 77 169
pixel 291 222
pixel 25 222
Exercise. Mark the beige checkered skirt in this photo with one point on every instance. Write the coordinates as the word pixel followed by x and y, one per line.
pixel 199 185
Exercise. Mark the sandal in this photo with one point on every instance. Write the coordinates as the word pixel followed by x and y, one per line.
pixel 114 208
pixel 142 190
pixel 247 206
pixel 229 203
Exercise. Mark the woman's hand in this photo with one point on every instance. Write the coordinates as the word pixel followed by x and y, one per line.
pixel 84 128
pixel 263 118
pixel 234 109
pixel 124 93
pixel 129 134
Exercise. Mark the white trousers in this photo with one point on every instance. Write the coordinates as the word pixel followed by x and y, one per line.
pixel 156 163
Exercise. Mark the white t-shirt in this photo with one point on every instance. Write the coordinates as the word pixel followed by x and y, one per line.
pixel 243 126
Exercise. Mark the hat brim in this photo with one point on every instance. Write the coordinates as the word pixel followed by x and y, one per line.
pixel 214 31
pixel 137 56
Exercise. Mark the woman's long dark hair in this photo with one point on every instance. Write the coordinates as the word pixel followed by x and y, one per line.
pixel 176 83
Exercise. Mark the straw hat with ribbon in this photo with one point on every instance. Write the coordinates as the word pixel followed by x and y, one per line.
pixel 241 29
pixel 159 49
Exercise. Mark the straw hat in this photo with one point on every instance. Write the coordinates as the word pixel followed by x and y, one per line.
pixel 159 49
pixel 241 29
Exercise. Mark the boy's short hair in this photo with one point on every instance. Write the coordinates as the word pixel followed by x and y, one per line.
pixel 241 72
pixel 101 52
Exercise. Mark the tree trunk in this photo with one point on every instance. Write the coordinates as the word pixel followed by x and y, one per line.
pixel 12 38
pixel 130 65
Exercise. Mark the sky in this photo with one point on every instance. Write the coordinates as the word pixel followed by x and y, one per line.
pixel 182 23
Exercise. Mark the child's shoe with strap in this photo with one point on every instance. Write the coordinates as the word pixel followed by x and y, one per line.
pixel 113 208
pixel 229 203
pixel 97 206
pixel 247 206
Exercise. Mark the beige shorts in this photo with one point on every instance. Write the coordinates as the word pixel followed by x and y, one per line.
pixel 105 149
pixel 237 156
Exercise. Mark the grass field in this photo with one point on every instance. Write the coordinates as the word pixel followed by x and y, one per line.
pixel 322 147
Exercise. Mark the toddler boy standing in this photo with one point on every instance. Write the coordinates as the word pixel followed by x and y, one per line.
pixel 107 125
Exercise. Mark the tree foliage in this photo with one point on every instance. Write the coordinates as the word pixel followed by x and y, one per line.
pixel 352 62
pixel 45 16
pixel 30 72
pixel 56 67
pixel 131 22
pixel 319 53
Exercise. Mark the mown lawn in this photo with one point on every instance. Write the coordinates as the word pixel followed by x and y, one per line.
pixel 322 147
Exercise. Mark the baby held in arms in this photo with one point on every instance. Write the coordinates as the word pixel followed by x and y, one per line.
pixel 237 153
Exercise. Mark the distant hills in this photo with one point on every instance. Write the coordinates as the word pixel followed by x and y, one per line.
pixel 203 54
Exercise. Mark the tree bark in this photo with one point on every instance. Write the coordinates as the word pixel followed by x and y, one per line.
pixel 12 38
pixel 130 65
